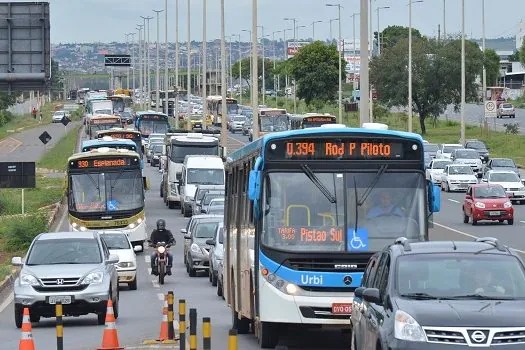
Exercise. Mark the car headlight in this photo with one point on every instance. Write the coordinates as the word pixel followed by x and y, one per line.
pixel 280 284
pixel 93 278
pixel 126 264
pixel 406 328
pixel 479 205
pixel 195 248
pixel 507 205
pixel 28 280
pixel 188 198
pixel 522 189
pixel 155 157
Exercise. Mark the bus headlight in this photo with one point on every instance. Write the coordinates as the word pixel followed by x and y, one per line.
pixel 74 225
pixel 280 284
pixel 82 228
pixel 291 288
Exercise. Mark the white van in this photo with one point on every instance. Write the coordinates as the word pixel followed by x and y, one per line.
pixel 198 170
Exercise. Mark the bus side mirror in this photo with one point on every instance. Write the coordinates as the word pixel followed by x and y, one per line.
pixel 254 185
pixel 434 197
pixel 146 183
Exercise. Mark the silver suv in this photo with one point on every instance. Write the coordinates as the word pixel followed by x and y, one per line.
pixel 73 268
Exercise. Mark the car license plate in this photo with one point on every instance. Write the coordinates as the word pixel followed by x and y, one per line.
pixel 63 299
pixel 341 309
pixel 493 213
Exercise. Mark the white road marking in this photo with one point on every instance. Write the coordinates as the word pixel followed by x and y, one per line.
pixel 453 200
pixel 155 283
pixel 469 235
pixel 523 222
pixel 7 301
pixel 160 296
pixel 147 258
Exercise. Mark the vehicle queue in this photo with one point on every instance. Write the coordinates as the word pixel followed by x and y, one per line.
pixel 306 214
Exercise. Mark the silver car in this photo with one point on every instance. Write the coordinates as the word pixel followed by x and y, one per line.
pixel 73 268
pixel 198 254
pixel 216 253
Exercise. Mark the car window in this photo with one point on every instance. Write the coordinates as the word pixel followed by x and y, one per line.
pixel 430 147
pixel 503 163
pixel 438 164
pixel 370 272
pixel 114 241
pixel 460 170
pixel 491 275
pixel 466 154
pixel 503 177
pixel 380 269
pixel 476 145
pixel 221 235
pixel 205 230
pixel 493 191
pixel 64 251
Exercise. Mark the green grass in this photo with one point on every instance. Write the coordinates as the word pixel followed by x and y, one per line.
pixel 27 121
pixel 5 270
pixel 56 157
pixel 48 191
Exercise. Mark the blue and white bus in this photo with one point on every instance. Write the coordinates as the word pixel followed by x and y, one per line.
pixel 304 212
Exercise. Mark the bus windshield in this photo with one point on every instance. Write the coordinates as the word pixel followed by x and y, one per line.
pixel 153 127
pixel 232 108
pixel 106 191
pixel 272 124
pixel 179 152
pixel 342 211
pixel 100 127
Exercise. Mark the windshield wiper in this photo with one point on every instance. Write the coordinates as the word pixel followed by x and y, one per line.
pixel 374 182
pixel 325 191
pixel 420 296
pixel 479 297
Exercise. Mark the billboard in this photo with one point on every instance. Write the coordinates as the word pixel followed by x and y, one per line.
pixel 293 47
pixel 25 47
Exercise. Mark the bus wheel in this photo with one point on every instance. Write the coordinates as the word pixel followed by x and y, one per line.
pixel 242 325
pixel 268 335
pixel 171 205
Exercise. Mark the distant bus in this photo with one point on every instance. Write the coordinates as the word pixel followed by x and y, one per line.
pixel 120 103
pixel 311 120
pixel 214 104
pixel 81 95
pixel 151 122
pixel 272 120
pixel 100 122
pixel 121 133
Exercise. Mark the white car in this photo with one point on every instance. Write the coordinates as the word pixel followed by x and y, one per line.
pixel 58 115
pixel 445 150
pixel 435 169
pixel 468 157
pixel 119 244
pixel 510 182
pixel 457 177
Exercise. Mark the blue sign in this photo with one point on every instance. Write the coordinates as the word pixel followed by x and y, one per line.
pixel 357 240
pixel 112 205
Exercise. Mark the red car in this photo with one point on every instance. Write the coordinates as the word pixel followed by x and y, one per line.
pixel 487 202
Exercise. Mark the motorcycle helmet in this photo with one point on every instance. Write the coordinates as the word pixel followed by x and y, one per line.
pixel 161 224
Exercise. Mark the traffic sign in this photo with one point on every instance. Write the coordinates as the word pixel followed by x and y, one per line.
pixel 17 175
pixel 65 121
pixel 45 137
pixel 490 109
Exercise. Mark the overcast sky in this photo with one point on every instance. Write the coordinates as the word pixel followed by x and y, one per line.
pixel 106 21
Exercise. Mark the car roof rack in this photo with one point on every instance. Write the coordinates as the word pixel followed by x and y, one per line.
pixel 404 242
pixel 494 242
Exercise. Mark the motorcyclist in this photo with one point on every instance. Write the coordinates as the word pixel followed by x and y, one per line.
pixel 161 235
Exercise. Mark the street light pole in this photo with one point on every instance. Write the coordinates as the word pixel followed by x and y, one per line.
pixel 445 19
pixel 462 72
pixel 240 69
pixel 379 30
pixel 263 64
pixel 157 78
pixel 340 52
pixel 166 83
pixel 274 66
pixel 354 58
pixel 364 86
pixel 224 112
pixel 127 49
pixel 147 55
pixel 188 65
pixel 251 80
pixel 176 111
pixel 204 58
pixel 296 48
pixel 139 28
pixel 230 38
pixel 484 68
pixel 255 73
pixel 313 29
pixel 410 63
pixel 133 62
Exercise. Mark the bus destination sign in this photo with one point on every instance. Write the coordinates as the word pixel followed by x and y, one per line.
pixel 154 117
pixel 343 149
pixel 119 135
pixel 102 163
pixel 319 119
pixel 105 121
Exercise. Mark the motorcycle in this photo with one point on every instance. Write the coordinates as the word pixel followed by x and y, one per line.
pixel 162 258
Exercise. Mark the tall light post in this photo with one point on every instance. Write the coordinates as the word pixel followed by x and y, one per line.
pixel 147 56
pixel 139 29
pixel 274 65
pixel 462 72
pixel 354 58
pixel 144 65
pixel 133 62
pixel 299 27
pixel 263 69
pixel 188 64
pixel 166 78
pixel 364 85
pixel 313 28
pixel 484 68
pixel 251 80
pixel 157 71
pixel 230 39
pixel 445 19
pixel 127 35
pixel 410 2
pixel 255 73
pixel 296 48
pixel 286 76
pixel 240 69
pixel 224 112
pixel 339 7
pixel 176 112
pixel 204 58
pixel 379 29
pixel 332 20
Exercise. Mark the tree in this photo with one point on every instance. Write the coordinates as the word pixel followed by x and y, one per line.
pixel 522 53
pixel 392 35
pixel 57 79
pixel 6 100
pixel 315 69
pixel 515 57
pixel 247 74
pixel 436 75
pixel 491 66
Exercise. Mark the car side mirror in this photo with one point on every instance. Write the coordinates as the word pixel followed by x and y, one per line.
pixel 183 231
pixel 468 196
pixel 484 180
pixel 372 296
pixel 210 242
pixel 178 176
pixel 137 248
pixel 479 175
pixel 187 236
pixel 16 261
pixel 359 292
pixel 113 259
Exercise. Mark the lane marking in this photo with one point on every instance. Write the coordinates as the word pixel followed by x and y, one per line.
pixel 7 301
pixel 453 200
pixel 155 283
pixel 147 258
pixel 523 222
pixel 469 235
pixel 160 296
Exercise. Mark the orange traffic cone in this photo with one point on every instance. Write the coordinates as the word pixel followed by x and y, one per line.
pixel 26 339
pixel 164 324
pixel 110 337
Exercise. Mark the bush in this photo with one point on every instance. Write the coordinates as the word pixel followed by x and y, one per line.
pixel 20 231
pixel 5 117
pixel 512 128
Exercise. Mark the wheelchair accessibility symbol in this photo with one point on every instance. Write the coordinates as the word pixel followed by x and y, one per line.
pixel 357 240
pixel 112 205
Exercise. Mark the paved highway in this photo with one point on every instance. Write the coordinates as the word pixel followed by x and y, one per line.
pixel 140 311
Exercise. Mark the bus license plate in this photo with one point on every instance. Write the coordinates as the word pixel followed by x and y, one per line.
pixel 341 309
pixel 63 299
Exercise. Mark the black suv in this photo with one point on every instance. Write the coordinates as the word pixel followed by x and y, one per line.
pixel 480 147
pixel 441 295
